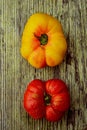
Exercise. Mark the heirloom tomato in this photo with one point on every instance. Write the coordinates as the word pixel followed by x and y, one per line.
pixel 43 41
pixel 48 99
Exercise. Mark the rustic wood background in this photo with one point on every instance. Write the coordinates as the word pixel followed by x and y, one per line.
pixel 15 72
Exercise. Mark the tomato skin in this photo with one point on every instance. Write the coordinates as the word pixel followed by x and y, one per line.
pixel 53 115
pixel 40 55
pixel 35 102
pixel 33 99
pixel 55 86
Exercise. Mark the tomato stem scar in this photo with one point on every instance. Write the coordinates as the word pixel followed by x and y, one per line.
pixel 43 38
pixel 47 98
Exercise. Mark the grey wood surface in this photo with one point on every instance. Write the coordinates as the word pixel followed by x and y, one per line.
pixel 15 72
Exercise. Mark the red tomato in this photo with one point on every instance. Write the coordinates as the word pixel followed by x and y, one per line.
pixel 48 99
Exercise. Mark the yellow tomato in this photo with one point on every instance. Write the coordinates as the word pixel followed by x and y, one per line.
pixel 43 41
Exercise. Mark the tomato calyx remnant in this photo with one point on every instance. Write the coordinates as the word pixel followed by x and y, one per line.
pixel 43 38
pixel 47 98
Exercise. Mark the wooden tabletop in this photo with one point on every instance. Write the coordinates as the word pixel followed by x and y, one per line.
pixel 16 72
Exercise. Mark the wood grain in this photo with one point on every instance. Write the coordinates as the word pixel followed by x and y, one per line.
pixel 15 72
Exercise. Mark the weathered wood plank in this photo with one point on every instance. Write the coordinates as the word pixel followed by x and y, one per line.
pixel 16 72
